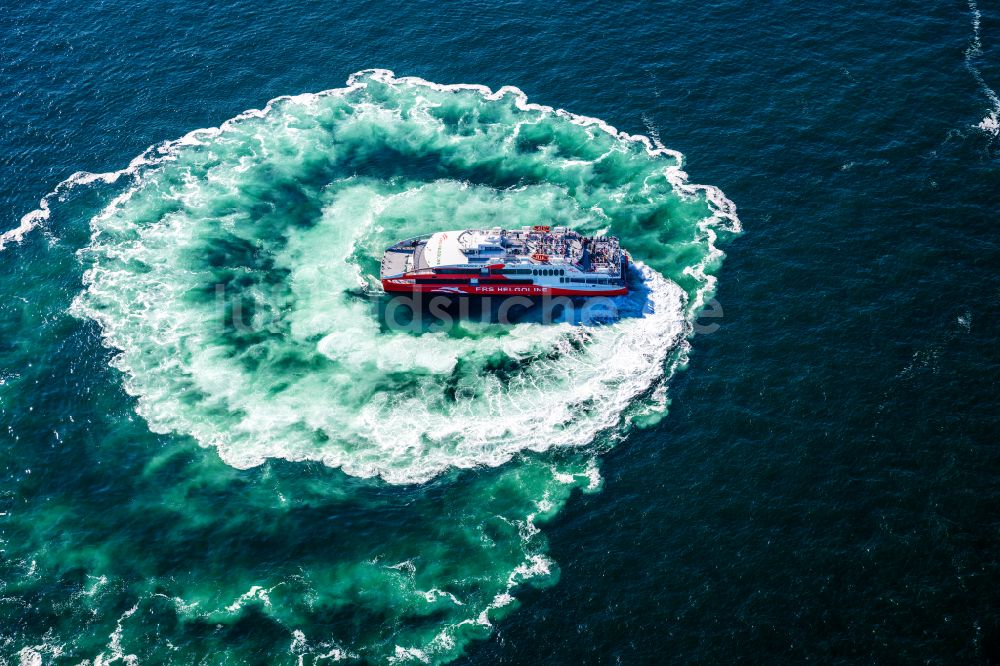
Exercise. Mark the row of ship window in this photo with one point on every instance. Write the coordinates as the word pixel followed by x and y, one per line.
pixel 535 271
pixel 546 272
pixel 589 280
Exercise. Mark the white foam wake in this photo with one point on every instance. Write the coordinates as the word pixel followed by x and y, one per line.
pixel 349 408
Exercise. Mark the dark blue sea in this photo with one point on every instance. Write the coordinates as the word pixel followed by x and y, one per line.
pixel 217 445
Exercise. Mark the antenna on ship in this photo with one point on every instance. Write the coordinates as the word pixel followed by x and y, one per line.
pixel 585 257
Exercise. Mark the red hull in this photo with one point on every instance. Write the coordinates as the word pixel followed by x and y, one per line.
pixel 405 285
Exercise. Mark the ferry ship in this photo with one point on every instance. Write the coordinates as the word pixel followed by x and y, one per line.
pixel 530 261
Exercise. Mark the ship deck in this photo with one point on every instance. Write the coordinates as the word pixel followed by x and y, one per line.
pixel 524 247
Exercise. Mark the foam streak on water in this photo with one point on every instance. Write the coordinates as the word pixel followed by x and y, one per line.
pixel 991 122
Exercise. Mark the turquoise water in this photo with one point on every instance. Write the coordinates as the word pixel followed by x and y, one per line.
pixel 218 449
